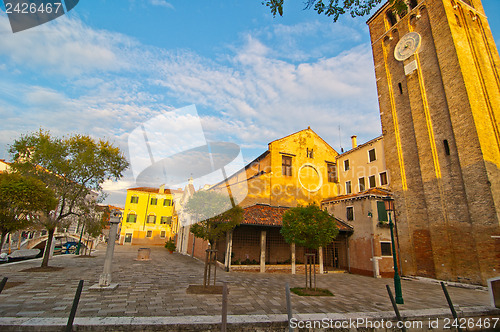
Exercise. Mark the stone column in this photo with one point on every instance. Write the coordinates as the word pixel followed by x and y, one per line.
pixel 292 246
pixel 263 251
pixel 320 258
pixel 105 277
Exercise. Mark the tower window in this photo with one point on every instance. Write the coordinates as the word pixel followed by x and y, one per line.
pixel 446 147
pixel 458 20
pixel 400 86
pixel 391 17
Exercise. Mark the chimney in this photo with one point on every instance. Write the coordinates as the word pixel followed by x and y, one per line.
pixel 354 142
pixel 162 189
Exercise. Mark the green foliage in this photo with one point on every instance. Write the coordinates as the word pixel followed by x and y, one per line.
pixel 309 227
pixel 336 8
pixel 170 245
pixel 73 167
pixel 22 200
pixel 216 215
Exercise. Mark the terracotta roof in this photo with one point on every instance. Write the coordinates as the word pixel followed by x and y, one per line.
pixel 156 190
pixel 266 215
pixel 380 192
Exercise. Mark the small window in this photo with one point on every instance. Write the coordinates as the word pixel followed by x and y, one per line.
pixel 166 220
pixel 446 147
pixel 371 155
pixel 332 172
pixel 350 213
pixel 361 184
pixel 348 188
pixel 381 211
pixel 346 165
pixel 391 17
pixel 163 234
pixel 151 219
pixel 167 202
pixel 372 182
pixel 400 86
pixel 383 178
pixel 134 199
pixel 385 248
pixel 154 201
pixel 131 218
pixel 310 153
pixel 286 166
pixel 149 234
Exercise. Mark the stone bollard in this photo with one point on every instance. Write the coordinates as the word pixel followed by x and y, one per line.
pixel 143 254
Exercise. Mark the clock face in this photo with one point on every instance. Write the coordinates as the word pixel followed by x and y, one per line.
pixel 407 46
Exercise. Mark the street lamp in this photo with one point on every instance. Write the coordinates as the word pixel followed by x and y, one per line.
pixel 389 207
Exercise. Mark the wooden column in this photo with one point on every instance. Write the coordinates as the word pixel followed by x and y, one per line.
pixel 263 251
pixel 292 246
pixel 229 249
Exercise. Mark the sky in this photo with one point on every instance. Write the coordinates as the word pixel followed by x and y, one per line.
pixel 109 67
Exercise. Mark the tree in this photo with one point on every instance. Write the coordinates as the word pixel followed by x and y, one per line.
pixel 73 167
pixel 216 215
pixel 309 227
pixel 333 8
pixel 22 200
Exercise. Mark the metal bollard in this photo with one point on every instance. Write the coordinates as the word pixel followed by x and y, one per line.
pixel 224 307
pixel 69 326
pixel 2 283
pixel 288 306
pixel 450 304
pixel 395 306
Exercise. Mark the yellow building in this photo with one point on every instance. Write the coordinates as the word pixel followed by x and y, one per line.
pixel 149 216
pixel 298 169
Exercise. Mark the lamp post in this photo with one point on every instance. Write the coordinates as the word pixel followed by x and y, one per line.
pixel 389 207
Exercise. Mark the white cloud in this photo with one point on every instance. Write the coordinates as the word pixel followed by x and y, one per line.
pixel 161 3
pixel 64 46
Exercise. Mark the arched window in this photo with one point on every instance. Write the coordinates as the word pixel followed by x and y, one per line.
pixel 391 17
pixel 413 4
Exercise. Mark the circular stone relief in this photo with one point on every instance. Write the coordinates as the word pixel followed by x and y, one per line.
pixel 407 46
pixel 309 178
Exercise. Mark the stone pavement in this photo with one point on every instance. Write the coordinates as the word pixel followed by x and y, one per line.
pixel 157 288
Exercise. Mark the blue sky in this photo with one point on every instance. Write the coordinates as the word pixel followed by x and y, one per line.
pixel 108 66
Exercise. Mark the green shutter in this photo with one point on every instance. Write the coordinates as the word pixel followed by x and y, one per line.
pixel 382 213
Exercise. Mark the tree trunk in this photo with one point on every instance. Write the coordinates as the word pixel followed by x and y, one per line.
pixel 48 245
pixel 2 239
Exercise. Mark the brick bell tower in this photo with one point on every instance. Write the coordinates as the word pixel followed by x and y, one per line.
pixel 437 70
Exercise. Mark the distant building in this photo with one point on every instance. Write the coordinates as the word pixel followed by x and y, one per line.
pixel 149 216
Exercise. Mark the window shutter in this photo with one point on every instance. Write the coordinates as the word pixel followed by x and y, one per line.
pixel 382 213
